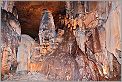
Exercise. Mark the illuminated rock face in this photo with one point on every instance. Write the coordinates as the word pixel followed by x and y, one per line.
pixel 24 52
pixel 47 31
pixel 10 41
pixel 61 65
pixel 113 29
pixel 101 40
pixel 87 48
pixel 47 28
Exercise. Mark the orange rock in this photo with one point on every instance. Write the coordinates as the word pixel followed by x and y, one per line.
pixel 90 19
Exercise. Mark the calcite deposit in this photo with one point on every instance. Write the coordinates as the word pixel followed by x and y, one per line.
pixel 61 41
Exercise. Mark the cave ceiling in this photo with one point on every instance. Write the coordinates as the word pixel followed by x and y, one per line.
pixel 30 12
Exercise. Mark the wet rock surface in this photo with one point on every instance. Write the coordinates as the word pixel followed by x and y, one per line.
pixel 79 51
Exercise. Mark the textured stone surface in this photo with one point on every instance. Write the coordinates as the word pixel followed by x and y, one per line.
pixel 24 52
pixel 10 41
pixel 33 10
pixel 86 46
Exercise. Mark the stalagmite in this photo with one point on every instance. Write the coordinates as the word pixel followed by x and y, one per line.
pixel 24 52
pixel 47 25
pixel 74 41
pixel 47 31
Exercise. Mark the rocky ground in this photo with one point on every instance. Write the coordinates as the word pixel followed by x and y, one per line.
pixel 27 76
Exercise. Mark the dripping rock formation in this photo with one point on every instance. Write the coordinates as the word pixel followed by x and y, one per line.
pixel 60 41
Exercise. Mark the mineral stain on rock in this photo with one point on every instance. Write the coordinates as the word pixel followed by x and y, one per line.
pixel 60 41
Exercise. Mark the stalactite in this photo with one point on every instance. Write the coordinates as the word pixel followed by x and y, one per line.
pixel 97 46
pixel 86 46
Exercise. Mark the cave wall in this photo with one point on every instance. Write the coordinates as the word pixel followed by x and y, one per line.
pixel 98 31
pixel 10 38
pixel 87 47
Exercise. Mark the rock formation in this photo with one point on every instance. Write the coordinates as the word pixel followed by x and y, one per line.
pixel 10 41
pixel 24 52
pixel 84 45
pixel 47 30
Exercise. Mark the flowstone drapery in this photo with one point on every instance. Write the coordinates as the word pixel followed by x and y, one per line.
pixel 84 45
